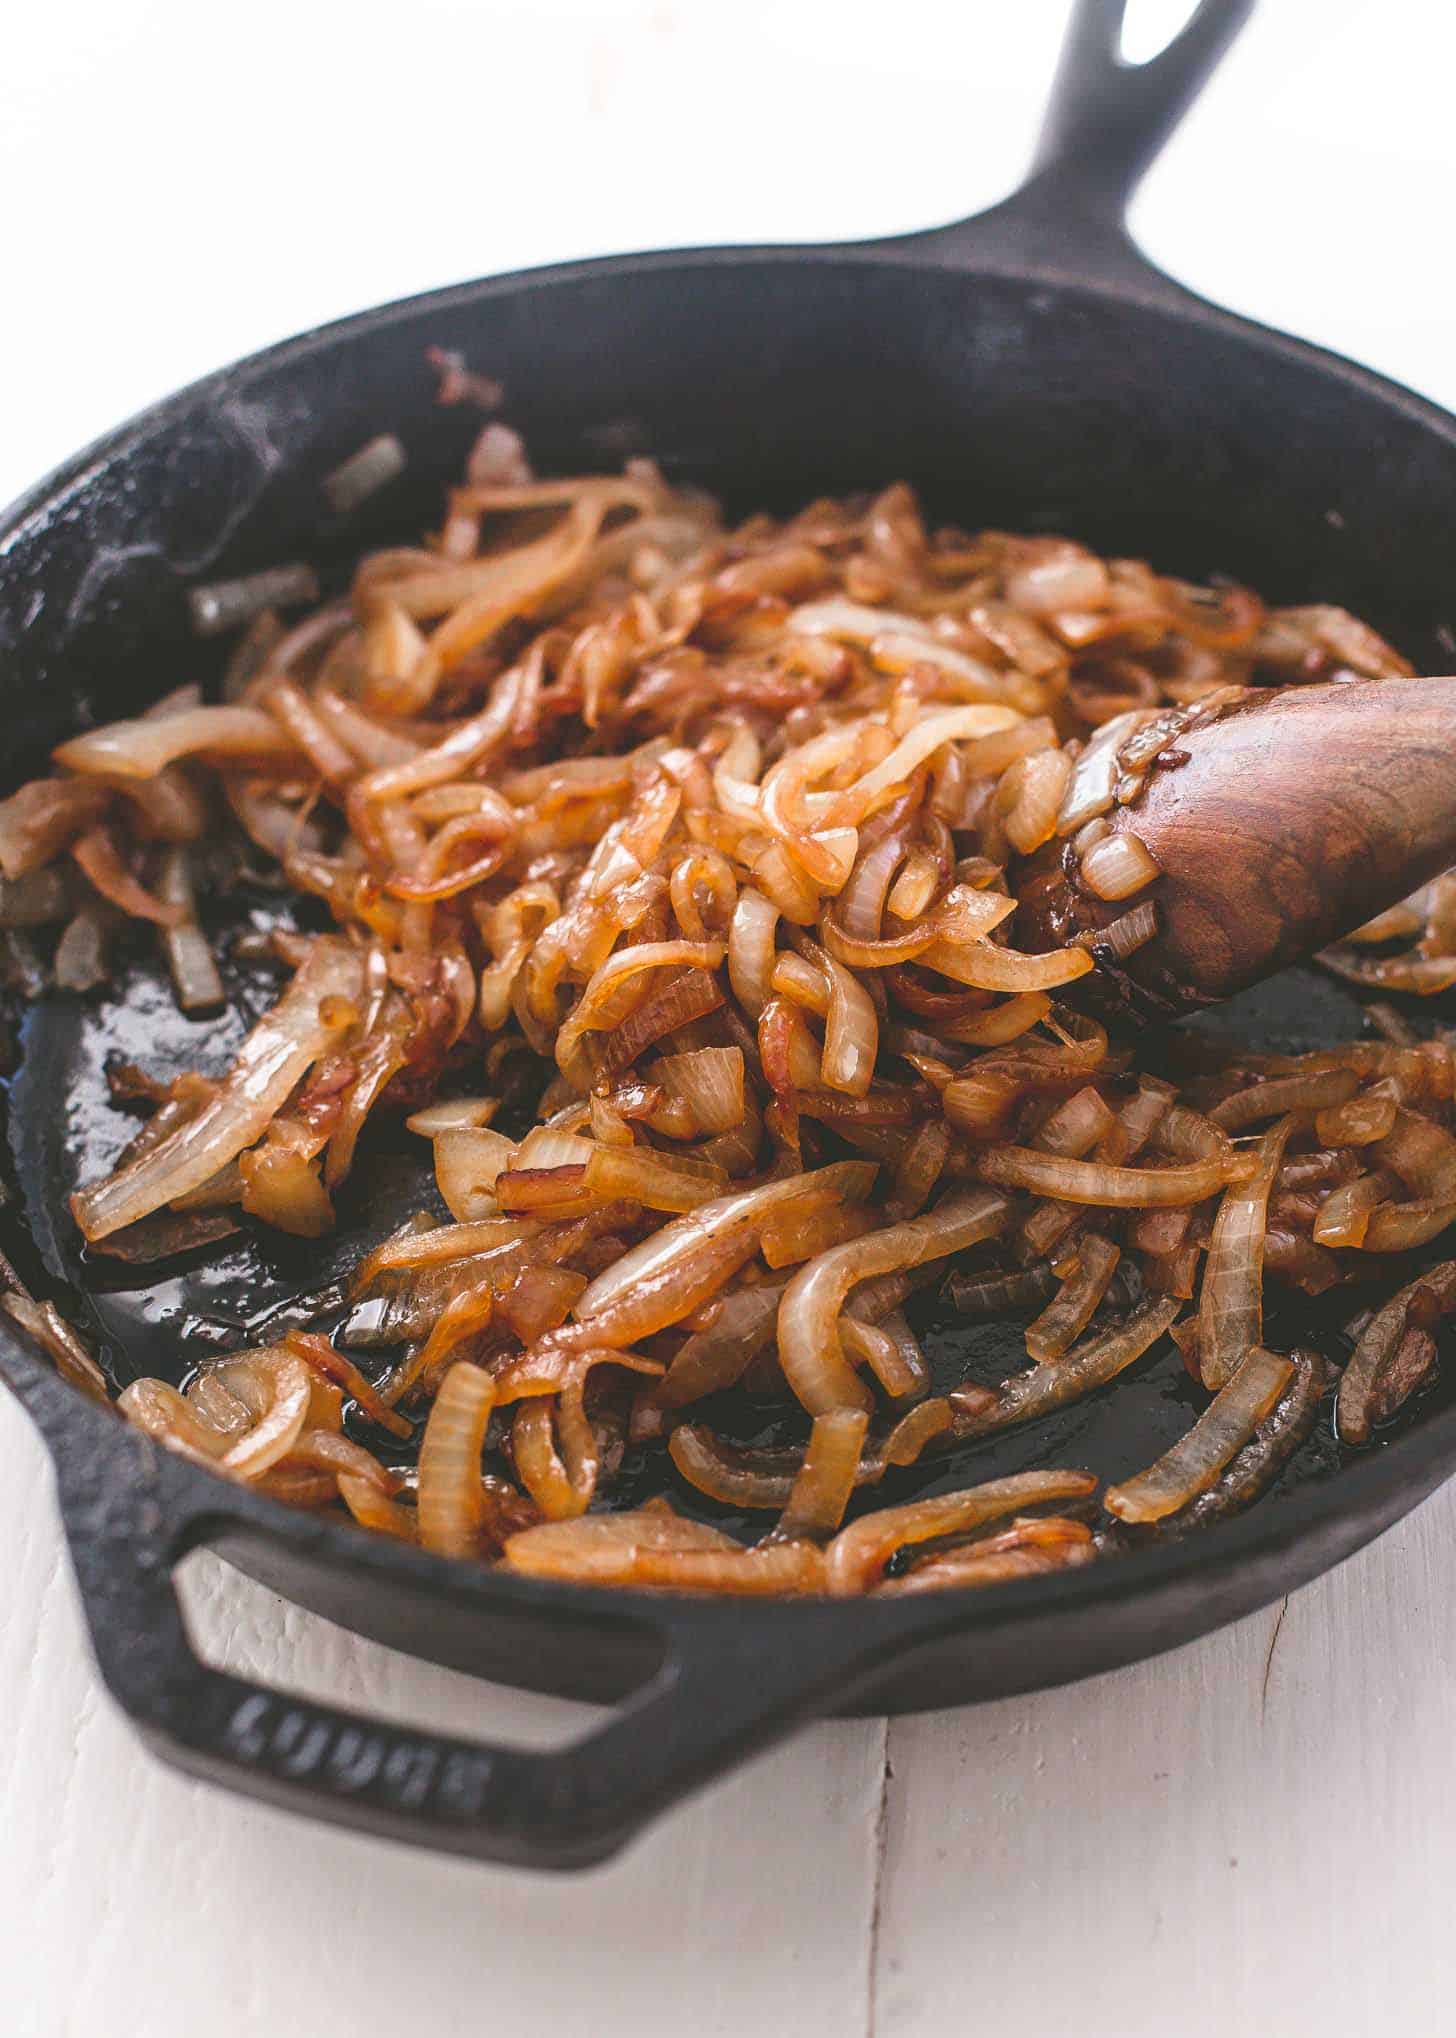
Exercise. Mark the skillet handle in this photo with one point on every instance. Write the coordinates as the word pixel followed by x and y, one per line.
pixel 1106 119
pixel 1104 124
pixel 725 1687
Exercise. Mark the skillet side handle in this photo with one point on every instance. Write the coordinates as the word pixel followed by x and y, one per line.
pixel 1105 122
pixel 721 1692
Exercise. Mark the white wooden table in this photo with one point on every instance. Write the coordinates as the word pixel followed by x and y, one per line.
pixel 1254 1832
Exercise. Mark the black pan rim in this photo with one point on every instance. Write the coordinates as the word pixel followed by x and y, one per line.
pixel 915 253
pixel 1394 1468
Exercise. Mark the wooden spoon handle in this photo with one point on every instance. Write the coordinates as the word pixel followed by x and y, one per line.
pixel 1297 815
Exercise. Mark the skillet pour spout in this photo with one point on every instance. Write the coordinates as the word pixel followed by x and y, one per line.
pixel 1276 826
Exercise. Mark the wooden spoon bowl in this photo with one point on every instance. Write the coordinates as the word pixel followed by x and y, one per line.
pixel 1293 817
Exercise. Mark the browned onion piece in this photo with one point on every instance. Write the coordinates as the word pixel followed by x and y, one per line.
pixel 750 1479
pixel 653 1180
pixel 1062 1322
pixel 453 1509
pixel 1096 1183
pixel 716 1358
pixel 1421 975
pixel 809 1346
pixel 826 1479
pixel 1025 1550
pixel 1195 1461
pixel 51 1331
pixel 776 1569
pixel 38 822
pixel 1036 1392
pixel 1422 1153
pixel 1230 1307
pixel 1255 1468
pixel 983 1295
pixel 143 748
pixel 1343 1217
pixel 1401 1227
pixel 603 1547
pixel 438 1245
pixel 1359 1121
pixel 858 1555
pixel 97 856
pixel 1315 1092
pixel 335 1365
pixel 1394 1352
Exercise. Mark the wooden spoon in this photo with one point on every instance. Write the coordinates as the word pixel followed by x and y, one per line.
pixel 1294 816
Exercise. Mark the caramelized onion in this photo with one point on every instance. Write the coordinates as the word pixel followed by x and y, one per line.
pixel 808 1329
pixel 281 1047
pixel 452 1502
pixel 1062 1322
pixel 1095 1182
pixel 1195 1461
pixel 691 852
pixel 858 1555
pixel 1026 1396
pixel 1230 1308
pixel 1372 1385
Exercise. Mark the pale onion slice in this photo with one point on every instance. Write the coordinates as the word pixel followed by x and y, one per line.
pixel 751 949
pixel 279 1427
pixel 826 1479
pixel 1118 866
pixel 709 1081
pixel 1220 1433
pixel 452 1501
pixel 987 967
pixel 468 1162
pixel 142 748
pixel 452 1115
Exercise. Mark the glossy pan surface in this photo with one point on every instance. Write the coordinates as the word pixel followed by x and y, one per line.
pixel 1026 369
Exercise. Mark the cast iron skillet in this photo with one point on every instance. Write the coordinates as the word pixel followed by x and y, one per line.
pixel 1026 368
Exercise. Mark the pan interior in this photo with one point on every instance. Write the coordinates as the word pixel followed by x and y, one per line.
pixel 169 1318
pixel 1032 405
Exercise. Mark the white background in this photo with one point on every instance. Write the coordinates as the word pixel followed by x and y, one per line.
pixel 1257 1831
